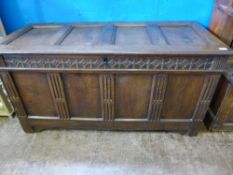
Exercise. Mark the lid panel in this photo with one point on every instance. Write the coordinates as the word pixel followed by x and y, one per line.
pixel 83 36
pixel 134 35
pixel 166 38
pixel 35 36
pixel 181 35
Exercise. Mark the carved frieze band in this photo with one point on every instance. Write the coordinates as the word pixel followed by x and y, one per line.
pixel 107 96
pixel 158 90
pixel 13 94
pixel 116 62
pixel 57 91
pixel 210 84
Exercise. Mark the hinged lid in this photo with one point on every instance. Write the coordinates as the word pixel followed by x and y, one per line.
pixel 115 38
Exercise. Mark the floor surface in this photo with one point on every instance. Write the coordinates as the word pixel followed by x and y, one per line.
pixel 75 152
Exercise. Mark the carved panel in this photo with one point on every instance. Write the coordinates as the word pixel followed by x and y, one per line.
pixel 107 96
pixel 116 62
pixel 207 92
pixel 13 94
pixel 158 90
pixel 57 91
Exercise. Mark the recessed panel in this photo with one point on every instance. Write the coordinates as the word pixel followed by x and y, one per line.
pixel 181 35
pixel 132 35
pixel 36 36
pixel 83 36
pixel 83 95
pixel 35 93
pixel 132 96
pixel 181 96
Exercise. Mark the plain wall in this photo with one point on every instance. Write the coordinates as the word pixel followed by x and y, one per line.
pixel 18 13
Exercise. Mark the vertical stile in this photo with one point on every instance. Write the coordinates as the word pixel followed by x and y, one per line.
pixel 57 91
pixel 101 94
pixel 112 97
pixel 65 107
pixel 60 95
pixel 158 89
pixel 207 92
pixel 155 34
pixel 107 96
pixel 16 101
pixel 151 109
pixel 108 34
pixel 13 94
pixel 210 84
pixel 60 35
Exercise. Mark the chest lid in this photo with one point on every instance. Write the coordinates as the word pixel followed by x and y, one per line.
pixel 115 38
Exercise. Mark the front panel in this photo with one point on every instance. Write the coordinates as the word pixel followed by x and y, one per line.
pixel 132 96
pixel 181 96
pixel 34 91
pixel 83 95
pixel 137 97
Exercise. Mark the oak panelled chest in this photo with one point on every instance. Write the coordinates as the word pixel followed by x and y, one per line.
pixel 112 76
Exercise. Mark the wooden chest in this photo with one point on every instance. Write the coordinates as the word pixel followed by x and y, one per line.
pixel 112 76
pixel 220 114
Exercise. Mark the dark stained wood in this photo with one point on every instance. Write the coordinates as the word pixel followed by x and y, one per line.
pixel 158 89
pixel 133 92
pixel 119 76
pixel 35 36
pixel 115 38
pixel 220 113
pixel 83 95
pixel 107 92
pixel 126 35
pixel 60 35
pixel 226 9
pixel 108 35
pixel 57 91
pixel 155 34
pixel 210 83
pixel 207 36
pixel 40 124
pixel 83 36
pixel 13 95
pixel 15 99
pixel 181 35
pixel 35 93
pixel 15 35
pixel 186 92
pixel 222 21
pixel 205 98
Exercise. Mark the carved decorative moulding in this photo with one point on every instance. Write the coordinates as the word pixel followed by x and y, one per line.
pixel 115 62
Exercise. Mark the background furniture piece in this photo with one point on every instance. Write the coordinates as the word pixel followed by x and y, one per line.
pixel 220 113
pixel 222 21
pixel 125 76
